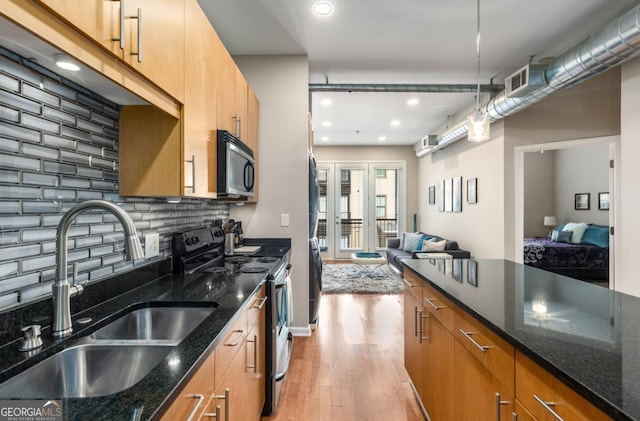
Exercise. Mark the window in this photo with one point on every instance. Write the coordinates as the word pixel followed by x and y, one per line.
pixel 381 206
pixel 381 173
pixel 344 207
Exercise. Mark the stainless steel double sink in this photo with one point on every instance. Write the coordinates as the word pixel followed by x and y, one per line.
pixel 112 359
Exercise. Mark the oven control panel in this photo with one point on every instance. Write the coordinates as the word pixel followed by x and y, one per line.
pixel 200 238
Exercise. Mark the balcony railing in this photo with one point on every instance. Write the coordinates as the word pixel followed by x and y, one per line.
pixel 351 231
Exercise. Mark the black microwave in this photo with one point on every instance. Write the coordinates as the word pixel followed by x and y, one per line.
pixel 236 166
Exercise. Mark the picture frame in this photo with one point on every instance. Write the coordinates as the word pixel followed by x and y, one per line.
pixel 472 273
pixel 457 194
pixel 603 201
pixel 582 201
pixel 448 195
pixel 472 190
pixel 432 195
pixel 440 197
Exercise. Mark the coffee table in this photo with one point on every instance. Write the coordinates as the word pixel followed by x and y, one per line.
pixel 365 260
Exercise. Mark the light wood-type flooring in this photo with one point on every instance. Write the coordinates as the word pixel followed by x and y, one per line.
pixel 352 366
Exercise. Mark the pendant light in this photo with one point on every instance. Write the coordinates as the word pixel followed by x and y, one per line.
pixel 478 121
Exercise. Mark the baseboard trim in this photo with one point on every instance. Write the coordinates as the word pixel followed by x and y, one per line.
pixel 300 331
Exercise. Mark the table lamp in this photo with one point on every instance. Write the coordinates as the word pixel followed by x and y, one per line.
pixel 549 221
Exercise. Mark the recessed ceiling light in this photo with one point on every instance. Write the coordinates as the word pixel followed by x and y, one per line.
pixel 326 123
pixel 326 102
pixel 322 8
pixel 413 101
pixel 395 123
pixel 325 138
pixel 382 138
pixel 65 62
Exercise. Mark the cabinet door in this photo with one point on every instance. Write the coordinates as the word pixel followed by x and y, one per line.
pixel 97 19
pixel 412 332
pixel 241 92
pixel 477 392
pixel 253 137
pixel 196 395
pixel 225 91
pixel 231 394
pixel 154 42
pixel 437 392
pixel 199 117
pixel 255 368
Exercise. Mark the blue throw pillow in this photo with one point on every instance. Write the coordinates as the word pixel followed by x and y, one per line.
pixel 411 241
pixel 565 236
pixel 556 230
pixel 424 238
pixel 596 235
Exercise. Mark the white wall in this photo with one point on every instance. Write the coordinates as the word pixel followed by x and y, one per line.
pixel 539 189
pixel 281 85
pixel 627 238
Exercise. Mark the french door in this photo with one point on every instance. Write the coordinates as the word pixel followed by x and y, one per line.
pixel 361 205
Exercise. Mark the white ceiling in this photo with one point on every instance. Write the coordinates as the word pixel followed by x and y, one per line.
pixel 404 42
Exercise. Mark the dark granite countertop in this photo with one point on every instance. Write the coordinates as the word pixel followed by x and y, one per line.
pixel 585 335
pixel 104 302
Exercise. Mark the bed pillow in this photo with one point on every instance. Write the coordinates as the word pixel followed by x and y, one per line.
pixel 565 236
pixel 578 231
pixel 554 233
pixel 596 235
pixel 411 241
pixel 434 245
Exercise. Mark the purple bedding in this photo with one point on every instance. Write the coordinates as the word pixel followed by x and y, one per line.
pixel 547 254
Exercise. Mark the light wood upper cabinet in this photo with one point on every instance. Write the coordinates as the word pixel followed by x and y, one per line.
pixel 253 136
pixel 152 34
pixel 225 90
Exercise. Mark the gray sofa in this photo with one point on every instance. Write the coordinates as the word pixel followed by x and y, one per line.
pixel 395 254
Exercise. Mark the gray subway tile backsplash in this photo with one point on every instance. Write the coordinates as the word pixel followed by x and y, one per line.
pixel 58 147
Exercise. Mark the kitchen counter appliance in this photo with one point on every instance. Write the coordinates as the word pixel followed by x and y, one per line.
pixel 236 166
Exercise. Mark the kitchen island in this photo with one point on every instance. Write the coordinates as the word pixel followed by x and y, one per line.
pixel 583 336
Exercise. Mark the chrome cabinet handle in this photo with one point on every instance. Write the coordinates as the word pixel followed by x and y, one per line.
pixel 436 307
pixel 262 303
pixel 514 416
pixel 415 321
pixel 409 284
pixel 225 397
pixel 121 38
pixel 241 332
pixel 138 53
pixel 473 341
pixel 200 399
pixel 193 173
pixel 498 403
pixel 422 317
pixel 548 407
pixel 215 415
pixel 255 353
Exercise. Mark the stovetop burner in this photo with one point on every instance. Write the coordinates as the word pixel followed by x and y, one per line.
pixel 253 269
pixel 237 259
pixel 218 270
pixel 267 259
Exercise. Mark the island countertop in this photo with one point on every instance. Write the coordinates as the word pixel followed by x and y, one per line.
pixel 585 335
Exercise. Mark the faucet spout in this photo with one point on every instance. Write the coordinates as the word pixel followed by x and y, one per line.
pixel 61 325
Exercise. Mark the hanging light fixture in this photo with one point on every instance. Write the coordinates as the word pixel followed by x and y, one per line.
pixel 478 121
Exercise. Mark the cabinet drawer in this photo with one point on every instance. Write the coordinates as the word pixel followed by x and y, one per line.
pixel 256 307
pixel 232 342
pixel 492 351
pixel 537 388
pixel 438 305
pixel 413 283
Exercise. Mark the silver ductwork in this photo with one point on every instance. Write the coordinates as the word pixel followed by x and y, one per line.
pixel 401 88
pixel 610 46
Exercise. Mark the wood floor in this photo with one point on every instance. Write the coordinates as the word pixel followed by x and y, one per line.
pixel 352 367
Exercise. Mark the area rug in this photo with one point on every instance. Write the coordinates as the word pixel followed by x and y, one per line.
pixel 347 278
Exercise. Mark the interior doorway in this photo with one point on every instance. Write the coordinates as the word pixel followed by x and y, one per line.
pixel 361 205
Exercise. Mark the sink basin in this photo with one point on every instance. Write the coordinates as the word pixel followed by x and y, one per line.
pixel 155 323
pixel 86 370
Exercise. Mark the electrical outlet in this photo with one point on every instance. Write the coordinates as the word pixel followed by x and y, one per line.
pixel 151 245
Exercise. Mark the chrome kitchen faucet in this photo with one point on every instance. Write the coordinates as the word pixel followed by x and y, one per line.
pixel 62 290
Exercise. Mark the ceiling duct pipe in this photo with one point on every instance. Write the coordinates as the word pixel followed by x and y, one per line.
pixel 401 88
pixel 614 44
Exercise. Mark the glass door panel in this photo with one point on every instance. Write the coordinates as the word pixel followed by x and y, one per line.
pixel 386 205
pixel 351 185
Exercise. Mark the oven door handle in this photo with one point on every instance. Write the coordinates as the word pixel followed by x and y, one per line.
pixel 281 375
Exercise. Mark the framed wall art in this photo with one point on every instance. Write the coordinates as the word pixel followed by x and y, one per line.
pixel 440 196
pixel 582 201
pixel 432 195
pixel 457 194
pixel 472 192
pixel 603 201
pixel 448 195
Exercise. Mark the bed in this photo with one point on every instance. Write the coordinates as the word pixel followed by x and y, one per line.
pixel 582 261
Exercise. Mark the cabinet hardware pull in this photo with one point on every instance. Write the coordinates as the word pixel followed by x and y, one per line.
pixel 254 341
pixel 548 407
pixel 193 173
pixel 241 332
pixel 422 317
pixel 215 415
pixel 514 416
pixel 436 307
pixel 409 284
pixel 473 341
pixel 415 321
pixel 121 38
pixel 262 302
pixel 200 399
pixel 498 403
pixel 236 120
pixel 226 399
pixel 138 53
